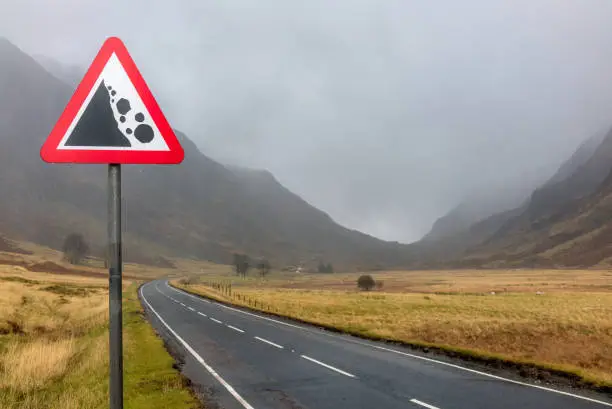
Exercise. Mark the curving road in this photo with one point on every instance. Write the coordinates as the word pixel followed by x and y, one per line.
pixel 250 361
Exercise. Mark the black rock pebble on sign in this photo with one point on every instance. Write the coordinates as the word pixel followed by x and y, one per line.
pixel 97 126
pixel 144 133
pixel 123 106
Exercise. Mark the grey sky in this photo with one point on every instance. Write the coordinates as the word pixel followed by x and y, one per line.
pixel 382 113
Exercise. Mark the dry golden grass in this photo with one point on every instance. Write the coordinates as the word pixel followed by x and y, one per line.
pixel 92 267
pixel 29 306
pixel 426 281
pixel 32 364
pixel 45 325
pixel 54 346
pixel 567 327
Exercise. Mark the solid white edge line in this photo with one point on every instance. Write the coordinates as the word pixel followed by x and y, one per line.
pixel 216 320
pixel 426 405
pixel 236 309
pixel 202 314
pixel 186 293
pixel 210 370
pixel 235 329
pixel 408 354
pixel 269 342
pixel 544 388
pixel 328 366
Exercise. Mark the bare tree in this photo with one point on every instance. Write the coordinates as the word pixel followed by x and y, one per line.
pixel 75 248
pixel 325 268
pixel 263 265
pixel 242 263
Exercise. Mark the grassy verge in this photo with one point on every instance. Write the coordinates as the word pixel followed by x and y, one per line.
pixel 543 336
pixel 54 349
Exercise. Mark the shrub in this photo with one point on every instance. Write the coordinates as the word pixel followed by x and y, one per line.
pixel 365 282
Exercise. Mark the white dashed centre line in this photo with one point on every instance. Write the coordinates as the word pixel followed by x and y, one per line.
pixel 202 314
pixel 269 342
pixel 189 308
pixel 216 320
pixel 328 366
pixel 183 305
pixel 235 329
pixel 425 405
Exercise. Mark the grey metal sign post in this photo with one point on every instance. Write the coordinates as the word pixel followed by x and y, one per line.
pixel 115 287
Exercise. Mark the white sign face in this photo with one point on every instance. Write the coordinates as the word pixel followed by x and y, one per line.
pixel 113 117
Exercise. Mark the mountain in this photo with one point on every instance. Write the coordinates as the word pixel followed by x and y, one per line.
pixel 69 74
pixel 481 205
pixel 581 156
pixel 512 194
pixel 530 233
pixel 200 209
pixel 561 216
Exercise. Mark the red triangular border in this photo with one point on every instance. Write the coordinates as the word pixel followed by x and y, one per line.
pixel 50 153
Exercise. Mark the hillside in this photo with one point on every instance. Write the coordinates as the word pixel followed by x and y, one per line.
pixel 494 206
pixel 565 222
pixel 541 231
pixel 199 209
pixel 480 206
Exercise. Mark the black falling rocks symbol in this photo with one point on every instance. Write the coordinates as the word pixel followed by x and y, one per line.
pixel 97 126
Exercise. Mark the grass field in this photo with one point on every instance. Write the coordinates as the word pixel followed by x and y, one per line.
pixel 560 319
pixel 54 346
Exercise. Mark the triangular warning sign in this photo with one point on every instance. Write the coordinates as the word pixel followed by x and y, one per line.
pixel 112 117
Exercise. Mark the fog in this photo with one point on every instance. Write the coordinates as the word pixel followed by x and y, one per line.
pixel 385 114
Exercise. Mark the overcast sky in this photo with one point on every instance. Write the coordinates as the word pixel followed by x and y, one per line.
pixel 382 113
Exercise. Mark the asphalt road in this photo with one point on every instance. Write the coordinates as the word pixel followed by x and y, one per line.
pixel 246 360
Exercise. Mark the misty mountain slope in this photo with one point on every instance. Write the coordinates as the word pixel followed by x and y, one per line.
pixel 70 75
pixel 582 155
pixel 578 237
pixel 461 249
pixel 476 219
pixel 199 209
pixel 565 221
pixel 482 213
pixel 558 196
pixel 523 235
pixel 479 207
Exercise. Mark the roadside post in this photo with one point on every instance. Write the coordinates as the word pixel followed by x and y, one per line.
pixel 113 119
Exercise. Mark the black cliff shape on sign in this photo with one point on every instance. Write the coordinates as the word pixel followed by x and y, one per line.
pixel 97 126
